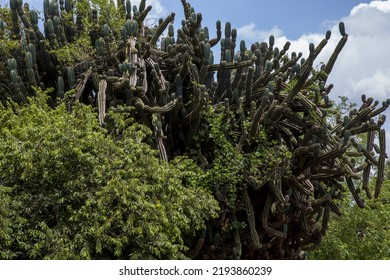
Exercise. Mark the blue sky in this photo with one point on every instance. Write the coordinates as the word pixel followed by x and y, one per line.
pixel 364 64
pixel 294 17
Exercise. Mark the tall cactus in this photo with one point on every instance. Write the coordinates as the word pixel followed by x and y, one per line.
pixel 272 105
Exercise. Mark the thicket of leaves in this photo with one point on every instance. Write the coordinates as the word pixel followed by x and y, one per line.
pixel 70 189
pixel 359 234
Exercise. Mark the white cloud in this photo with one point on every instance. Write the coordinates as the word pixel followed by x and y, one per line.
pixel 377 85
pixel 364 64
pixel 301 44
pixel 363 67
pixel 382 6
pixel 251 33
pixel 362 61
pixel 157 11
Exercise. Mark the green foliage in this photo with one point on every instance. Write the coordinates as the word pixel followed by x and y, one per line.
pixel 232 167
pixel 108 14
pixel 10 222
pixel 359 234
pixel 77 51
pixel 7 41
pixel 81 49
pixel 73 190
pixel 228 165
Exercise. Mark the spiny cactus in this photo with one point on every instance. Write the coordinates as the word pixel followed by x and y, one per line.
pixel 173 85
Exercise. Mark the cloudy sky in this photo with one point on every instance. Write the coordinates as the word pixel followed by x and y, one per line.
pixel 364 64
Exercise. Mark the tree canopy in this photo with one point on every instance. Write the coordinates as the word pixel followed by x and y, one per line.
pixel 71 189
pixel 359 234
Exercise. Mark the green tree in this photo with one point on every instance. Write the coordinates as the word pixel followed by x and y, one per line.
pixel 71 189
pixel 359 234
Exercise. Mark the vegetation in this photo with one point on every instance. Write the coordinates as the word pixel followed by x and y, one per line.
pixel 359 234
pixel 257 129
pixel 71 189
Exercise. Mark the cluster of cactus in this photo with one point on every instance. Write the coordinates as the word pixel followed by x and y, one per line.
pixel 172 86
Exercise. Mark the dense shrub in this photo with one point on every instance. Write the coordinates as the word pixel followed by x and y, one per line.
pixel 71 189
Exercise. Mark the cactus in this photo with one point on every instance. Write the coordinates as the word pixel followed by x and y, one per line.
pixel 329 65
pixel 33 17
pixel 60 87
pixel 102 101
pixel 68 6
pixel 131 28
pixel 251 221
pixel 161 29
pixel 128 8
pixel 12 64
pixel 29 60
pixel 50 26
pixel 106 30
pixel 14 76
pixel 206 54
pixel 71 77
pixel 179 85
pixel 13 4
pixel 342 29
pixel 175 86
pixel 100 46
pixel 381 163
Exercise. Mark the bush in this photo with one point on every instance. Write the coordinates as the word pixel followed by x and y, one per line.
pixel 359 234
pixel 71 189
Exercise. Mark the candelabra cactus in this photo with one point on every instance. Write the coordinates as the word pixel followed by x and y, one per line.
pixel 172 85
